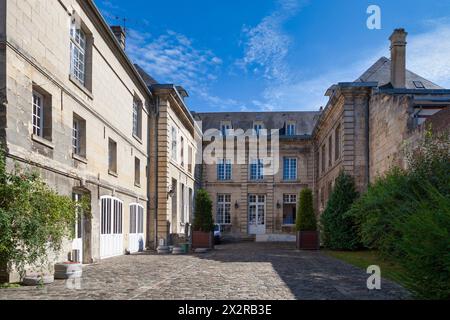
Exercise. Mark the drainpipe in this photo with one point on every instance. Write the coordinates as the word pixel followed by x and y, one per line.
pixel 367 114
pixel 156 169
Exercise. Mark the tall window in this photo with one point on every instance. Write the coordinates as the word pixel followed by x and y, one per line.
pixel 330 151
pixel 225 128
pixel 174 143
pixel 41 113
pixel 137 171
pixel 78 53
pixel 337 143
pixel 323 158
pixel 112 156
pixel 190 157
pixel 76 136
pixel 182 151
pixel 257 170
pixel 290 129
pixel 224 170
pixel 290 169
pixel 223 215
pixel 136 219
pixel 137 118
pixel 289 208
pixel 79 136
pixel 38 114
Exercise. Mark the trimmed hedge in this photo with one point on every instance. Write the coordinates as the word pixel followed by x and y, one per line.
pixel 203 218
pixel 306 218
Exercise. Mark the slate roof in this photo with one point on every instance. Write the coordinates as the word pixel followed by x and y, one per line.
pixel 305 121
pixel 380 72
pixel 148 79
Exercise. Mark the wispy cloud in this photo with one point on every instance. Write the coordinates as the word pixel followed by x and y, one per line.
pixel 173 58
pixel 427 55
pixel 267 45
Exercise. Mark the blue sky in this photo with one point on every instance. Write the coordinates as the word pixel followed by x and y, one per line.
pixel 273 55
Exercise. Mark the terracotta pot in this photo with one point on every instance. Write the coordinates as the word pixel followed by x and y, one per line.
pixel 202 239
pixel 308 240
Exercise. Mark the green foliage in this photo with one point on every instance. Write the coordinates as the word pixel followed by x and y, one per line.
pixel 33 218
pixel 203 218
pixel 306 218
pixel 339 230
pixel 425 244
pixel 405 215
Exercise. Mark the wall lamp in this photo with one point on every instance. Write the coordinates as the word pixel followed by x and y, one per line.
pixel 236 205
pixel 278 205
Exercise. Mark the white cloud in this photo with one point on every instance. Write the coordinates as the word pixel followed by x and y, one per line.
pixel 427 55
pixel 266 45
pixel 172 58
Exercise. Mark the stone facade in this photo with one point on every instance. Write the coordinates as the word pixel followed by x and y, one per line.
pixel 38 60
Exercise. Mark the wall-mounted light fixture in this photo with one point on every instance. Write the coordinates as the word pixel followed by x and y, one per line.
pixel 278 205
pixel 236 205
pixel 171 192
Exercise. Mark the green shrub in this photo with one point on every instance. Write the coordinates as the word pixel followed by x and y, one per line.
pixel 34 219
pixel 339 230
pixel 203 219
pixel 306 218
pixel 387 200
pixel 425 244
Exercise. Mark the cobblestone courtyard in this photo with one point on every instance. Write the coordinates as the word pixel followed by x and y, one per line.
pixel 232 271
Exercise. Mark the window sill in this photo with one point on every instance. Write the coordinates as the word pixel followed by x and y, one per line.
pixel 137 185
pixel 81 87
pixel 42 141
pixel 137 138
pixel 79 158
pixel 288 225
pixel 112 173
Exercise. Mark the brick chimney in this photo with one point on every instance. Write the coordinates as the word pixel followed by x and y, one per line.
pixel 119 32
pixel 398 58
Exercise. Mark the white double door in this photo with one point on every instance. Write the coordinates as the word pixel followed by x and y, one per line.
pixel 111 228
pixel 257 214
pixel 136 238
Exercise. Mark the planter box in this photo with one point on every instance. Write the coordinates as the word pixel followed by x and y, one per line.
pixel 308 240
pixel 202 239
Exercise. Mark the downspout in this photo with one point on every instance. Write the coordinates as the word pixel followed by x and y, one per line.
pixel 367 115
pixel 156 170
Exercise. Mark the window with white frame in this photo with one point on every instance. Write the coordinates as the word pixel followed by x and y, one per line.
pixel 290 169
pixel 38 114
pixel 290 129
pixel 174 143
pixel 224 169
pixel 137 118
pixel 41 113
pixel 78 53
pixel 289 209
pixel 225 127
pixel 223 214
pixel 257 169
pixel 257 127
pixel 79 136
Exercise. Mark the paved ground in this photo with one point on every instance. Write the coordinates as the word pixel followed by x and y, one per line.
pixel 233 271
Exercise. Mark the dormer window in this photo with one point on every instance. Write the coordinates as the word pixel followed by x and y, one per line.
pixel 419 84
pixel 257 127
pixel 225 127
pixel 291 129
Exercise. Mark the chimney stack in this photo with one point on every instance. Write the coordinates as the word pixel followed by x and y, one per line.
pixel 119 32
pixel 398 58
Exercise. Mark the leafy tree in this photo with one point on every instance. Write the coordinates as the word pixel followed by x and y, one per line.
pixel 306 218
pixel 203 219
pixel 339 230
pixel 34 219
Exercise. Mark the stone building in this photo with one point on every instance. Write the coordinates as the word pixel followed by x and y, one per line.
pixel 362 131
pixel 74 108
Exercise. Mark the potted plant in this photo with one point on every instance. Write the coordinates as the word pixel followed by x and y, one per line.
pixel 306 224
pixel 202 234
